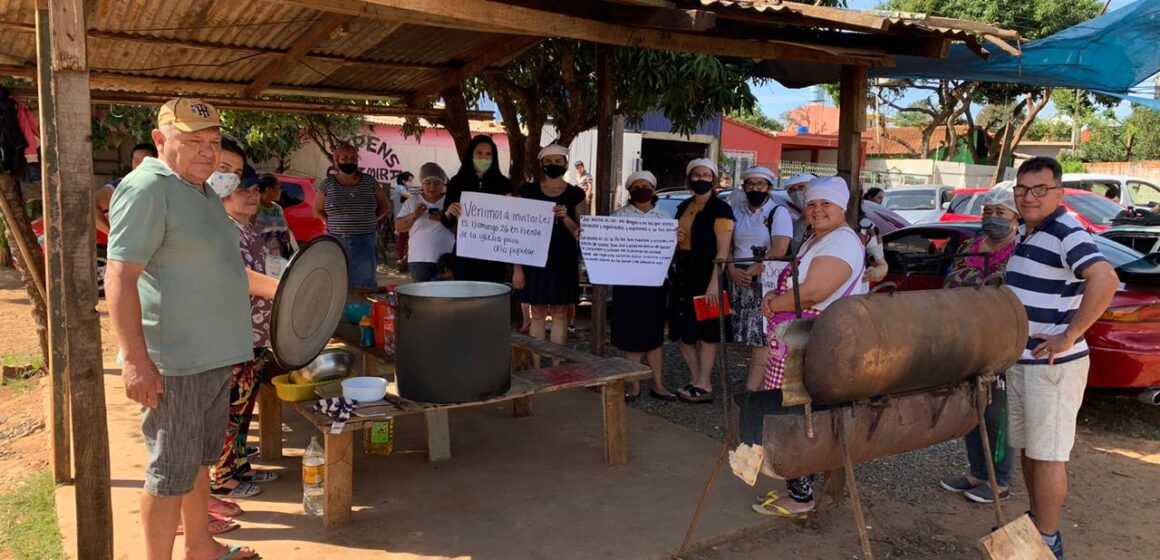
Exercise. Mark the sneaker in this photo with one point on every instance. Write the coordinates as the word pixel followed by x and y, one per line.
pixel 1057 548
pixel 958 485
pixel 982 493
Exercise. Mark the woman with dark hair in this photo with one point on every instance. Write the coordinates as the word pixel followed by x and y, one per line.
pixel 478 172
pixel 875 195
pixel 399 194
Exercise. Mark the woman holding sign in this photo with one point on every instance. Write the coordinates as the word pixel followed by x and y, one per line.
pixel 638 312
pixel 551 289
pixel 704 233
pixel 764 229
pixel 479 172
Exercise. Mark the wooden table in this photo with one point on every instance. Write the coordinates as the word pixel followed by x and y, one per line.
pixel 579 369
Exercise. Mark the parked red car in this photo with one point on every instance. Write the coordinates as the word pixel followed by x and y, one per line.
pixel 1124 342
pixel 1094 211
pixel 297 204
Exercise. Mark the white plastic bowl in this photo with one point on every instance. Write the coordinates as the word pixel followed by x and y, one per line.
pixel 364 389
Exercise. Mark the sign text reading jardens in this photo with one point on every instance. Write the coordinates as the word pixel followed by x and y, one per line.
pixel 504 229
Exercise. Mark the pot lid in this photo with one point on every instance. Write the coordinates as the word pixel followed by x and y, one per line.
pixel 309 302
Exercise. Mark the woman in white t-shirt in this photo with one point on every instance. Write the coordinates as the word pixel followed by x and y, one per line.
pixel 421 218
pixel 831 263
pixel 762 228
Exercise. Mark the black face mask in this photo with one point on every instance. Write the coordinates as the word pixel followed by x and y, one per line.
pixel 701 187
pixel 641 196
pixel 348 168
pixel 555 171
pixel 757 198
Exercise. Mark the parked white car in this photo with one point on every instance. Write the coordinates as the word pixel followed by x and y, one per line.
pixel 919 204
pixel 1132 192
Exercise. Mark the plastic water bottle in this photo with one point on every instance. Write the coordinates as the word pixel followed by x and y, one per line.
pixel 313 475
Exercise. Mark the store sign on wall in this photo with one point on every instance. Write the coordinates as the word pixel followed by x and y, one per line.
pixel 377 158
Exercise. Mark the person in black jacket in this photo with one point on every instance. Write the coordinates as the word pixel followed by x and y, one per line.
pixel 479 172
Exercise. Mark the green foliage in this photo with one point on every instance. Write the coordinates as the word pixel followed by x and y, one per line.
pixel 916 116
pixel 28 527
pixel 1137 138
pixel 114 125
pixel 758 118
pixel 1050 130
pixel 267 136
pixel 1071 164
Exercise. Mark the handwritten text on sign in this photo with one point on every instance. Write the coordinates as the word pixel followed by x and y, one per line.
pixel 504 229
pixel 770 272
pixel 627 251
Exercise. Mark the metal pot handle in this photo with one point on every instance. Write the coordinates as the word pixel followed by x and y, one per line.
pixel 884 285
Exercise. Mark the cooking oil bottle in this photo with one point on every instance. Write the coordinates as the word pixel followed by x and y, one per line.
pixel 379 438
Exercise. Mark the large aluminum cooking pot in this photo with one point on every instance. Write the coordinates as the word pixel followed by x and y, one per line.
pixel 454 341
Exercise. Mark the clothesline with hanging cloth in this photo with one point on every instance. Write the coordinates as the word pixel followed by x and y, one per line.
pixel 1110 54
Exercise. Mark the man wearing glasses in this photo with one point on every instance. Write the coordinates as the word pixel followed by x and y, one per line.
pixel 1065 284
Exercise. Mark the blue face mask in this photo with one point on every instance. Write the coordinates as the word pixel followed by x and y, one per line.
pixel 997 228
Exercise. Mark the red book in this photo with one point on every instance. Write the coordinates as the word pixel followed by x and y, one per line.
pixel 705 311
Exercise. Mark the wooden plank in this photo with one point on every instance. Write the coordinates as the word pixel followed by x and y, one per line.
pixel 74 171
pixel 312 37
pixel 438 435
pixel 851 123
pixel 269 423
pixel 615 424
pixel 57 357
pixel 501 51
pixel 552 350
pixel 1017 540
pixel 339 481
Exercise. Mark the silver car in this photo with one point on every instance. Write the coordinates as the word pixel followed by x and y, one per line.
pixel 919 204
pixel 1132 192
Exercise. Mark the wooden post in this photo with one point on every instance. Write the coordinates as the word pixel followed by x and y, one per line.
pixel 75 251
pixel 339 478
pixel 615 424
pixel 57 361
pixel 851 123
pixel 438 435
pixel 269 423
pixel 609 139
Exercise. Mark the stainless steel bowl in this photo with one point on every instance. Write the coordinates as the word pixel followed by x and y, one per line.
pixel 330 364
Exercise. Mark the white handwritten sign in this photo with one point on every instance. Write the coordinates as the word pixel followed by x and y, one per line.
pixel 770 272
pixel 627 251
pixel 504 229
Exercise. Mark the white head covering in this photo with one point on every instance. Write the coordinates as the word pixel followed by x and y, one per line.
pixel 761 173
pixel 553 150
pixel 1001 195
pixel 642 174
pixel 831 189
pixel 798 179
pixel 702 162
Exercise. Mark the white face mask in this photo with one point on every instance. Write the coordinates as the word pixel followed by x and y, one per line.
pixel 223 183
pixel 799 198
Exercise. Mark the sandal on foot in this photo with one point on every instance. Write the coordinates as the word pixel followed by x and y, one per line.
pixel 629 397
pixel 218 525
pixel 658 396
pixel 258 477
pixel 224 508
pixel 773 509
pixel 241 491
pixel 771 495
pixel 695 395
pixel 234 552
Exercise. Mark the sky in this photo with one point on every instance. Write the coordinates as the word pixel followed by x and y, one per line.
pixel 775 99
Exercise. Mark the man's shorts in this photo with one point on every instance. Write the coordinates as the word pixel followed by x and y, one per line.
pixel 1042 405
pixel 186 430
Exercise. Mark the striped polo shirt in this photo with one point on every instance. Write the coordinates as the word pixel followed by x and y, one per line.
pixel 350 210
pixel 1046 274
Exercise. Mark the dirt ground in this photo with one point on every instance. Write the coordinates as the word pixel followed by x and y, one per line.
pixel 1110 513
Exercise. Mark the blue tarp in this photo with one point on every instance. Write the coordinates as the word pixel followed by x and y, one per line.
pixel 1110 54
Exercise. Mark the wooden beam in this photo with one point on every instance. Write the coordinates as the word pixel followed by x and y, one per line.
pixel 500 52
pixel 631 15
pixel 851 123
pixel 74 248
pixel 50 190
pixel 493 17
pixel 609 139
pixel 314 36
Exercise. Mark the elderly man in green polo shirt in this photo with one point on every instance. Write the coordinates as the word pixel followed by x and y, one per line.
pixel 178 299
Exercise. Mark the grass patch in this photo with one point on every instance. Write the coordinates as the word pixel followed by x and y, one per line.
pixel 28 525
pixel 14 359
pixel 1125 416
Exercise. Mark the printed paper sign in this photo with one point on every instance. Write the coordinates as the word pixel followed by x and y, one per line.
pixel 627 251
pixel 505 229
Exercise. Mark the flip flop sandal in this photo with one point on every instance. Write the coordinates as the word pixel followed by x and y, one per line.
pixel 667 398
pixel 696 395
pixel 218 525
pixel 224 508
pixel 771 495
pixel 768 507
pixel 259 477
pixel 241 491
pixel 630 397
pixel 232 554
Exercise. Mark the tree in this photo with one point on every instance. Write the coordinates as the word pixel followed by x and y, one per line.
pixel 917 114
pixel 757 118
pixel 266 136
pixel 1051 130
pixel 1136 138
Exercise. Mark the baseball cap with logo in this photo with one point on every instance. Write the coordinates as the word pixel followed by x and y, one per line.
pixel 188 115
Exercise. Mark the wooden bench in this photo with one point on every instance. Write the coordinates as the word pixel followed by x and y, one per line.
pixel 579 370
